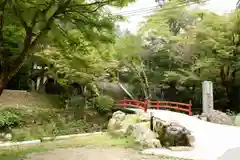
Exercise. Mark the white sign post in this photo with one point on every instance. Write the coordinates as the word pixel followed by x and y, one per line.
pixel 207 96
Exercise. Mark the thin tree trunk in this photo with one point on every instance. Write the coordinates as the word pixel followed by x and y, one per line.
pixel 2 86
pixel 3 82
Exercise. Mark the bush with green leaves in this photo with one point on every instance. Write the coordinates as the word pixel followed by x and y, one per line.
pixel 76 101
pixel 52 129
pixel 103 103
pixel 32 123
pixel 10 118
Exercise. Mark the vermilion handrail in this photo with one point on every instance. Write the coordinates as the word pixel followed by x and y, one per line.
pixel 186 107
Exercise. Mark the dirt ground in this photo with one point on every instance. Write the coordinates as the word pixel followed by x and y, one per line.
pixel 92 153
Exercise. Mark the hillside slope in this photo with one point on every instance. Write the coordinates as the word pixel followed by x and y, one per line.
pixel 31 99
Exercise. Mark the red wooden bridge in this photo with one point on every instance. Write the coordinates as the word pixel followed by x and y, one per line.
pixel 129 103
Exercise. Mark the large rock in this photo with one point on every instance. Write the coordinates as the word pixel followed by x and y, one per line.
pixel 164 133
pixel 237 120
pixel 218 117
pixel 119 115
pixel 143 116
pixel 115 123
pixel 128 124
pixel 144 136
pixel 172 134
pixel 123 125
pixel 176 135
pixel 124 128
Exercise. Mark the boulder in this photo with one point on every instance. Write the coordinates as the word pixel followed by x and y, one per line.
pixel 143 116
pixel 158 128
pixel 176 135
pixel 8 137
pixel 164 133
pixel 120 124
pixel 119 115
pixel 5 136
pixel 130 125
pixel 237 120
pixel 144 136
pixel 218 117
pixel 115 123
pixel 123 128
pixel 172 134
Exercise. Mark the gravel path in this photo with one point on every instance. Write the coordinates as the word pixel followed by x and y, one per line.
pixel 92 153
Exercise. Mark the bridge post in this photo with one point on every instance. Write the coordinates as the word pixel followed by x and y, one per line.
pixel 124 102
pixel 190 108
pixel 207 96
pixel 145 106
pixel 151 121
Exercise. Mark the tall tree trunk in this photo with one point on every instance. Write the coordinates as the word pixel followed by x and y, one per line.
pixel 2 85
pixel 3 81
pixel 2 50
pixel 228 77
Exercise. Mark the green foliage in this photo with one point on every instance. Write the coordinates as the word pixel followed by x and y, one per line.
pixel 76 102
pixel 9 118
pixel 31 123
pixel 130 54
pixel 52 129
pixel 103 103
pixel 189 46
pixel 30 26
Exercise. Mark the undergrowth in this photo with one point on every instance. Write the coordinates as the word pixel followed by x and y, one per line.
pixel 29 124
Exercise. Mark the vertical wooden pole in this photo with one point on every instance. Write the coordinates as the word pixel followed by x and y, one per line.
pixel 124 102
pixel 190 108
pixel 145 106
pixel 151 121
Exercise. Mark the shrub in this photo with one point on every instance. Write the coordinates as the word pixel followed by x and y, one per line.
pixel 30 123
pixel 103 103
pixel 52 129
pixel 76 102
pixel 9 118
pixel 22 134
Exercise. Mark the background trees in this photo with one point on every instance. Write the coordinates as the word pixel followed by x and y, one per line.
pixel 200 46
pixel 36 21
pixel 176 49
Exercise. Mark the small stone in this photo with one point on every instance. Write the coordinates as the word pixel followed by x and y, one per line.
pixel 203 118
pixel 8 137
pixel 2 134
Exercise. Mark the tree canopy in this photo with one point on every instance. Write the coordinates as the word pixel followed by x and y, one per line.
pixel 174 51
pixel 27 25
pixel 198 46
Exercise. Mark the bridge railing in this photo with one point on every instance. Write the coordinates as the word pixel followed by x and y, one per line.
pixel 184 107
